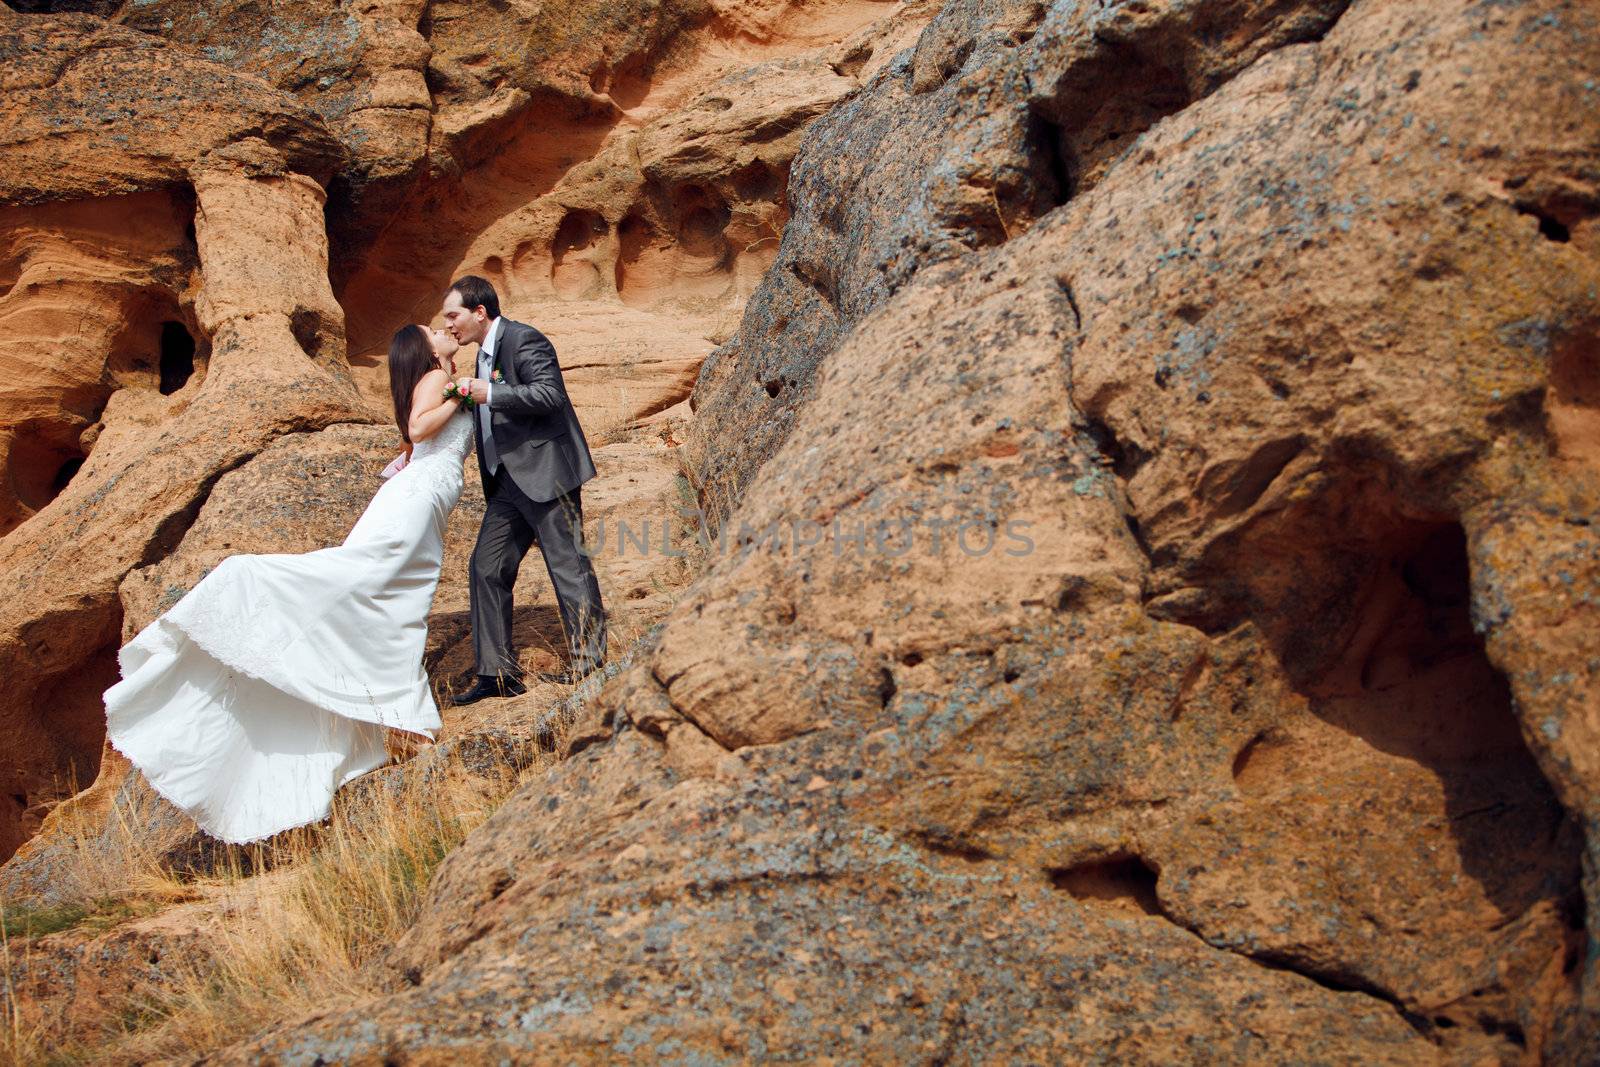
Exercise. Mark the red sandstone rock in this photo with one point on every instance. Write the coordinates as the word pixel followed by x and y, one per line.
pixel 276 365
pixel 1260 690
pixel 219 246
pixel 1263 336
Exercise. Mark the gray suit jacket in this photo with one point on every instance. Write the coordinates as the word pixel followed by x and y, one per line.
pixel 536 432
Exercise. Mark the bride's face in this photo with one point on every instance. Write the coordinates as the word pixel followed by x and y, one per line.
pixel 444 347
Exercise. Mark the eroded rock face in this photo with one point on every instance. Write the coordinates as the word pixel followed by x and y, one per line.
pixel 761 919
pixel 635 258
pixel 151 343
pixel 1271 738
pixel 276 366
pixel 1002 111
pixel 299 486
pixel 95 110
pixel 104 129
pixel 157 151
pixel 519 98
pixel 94 303
pixel 66 981
pixel 1158 469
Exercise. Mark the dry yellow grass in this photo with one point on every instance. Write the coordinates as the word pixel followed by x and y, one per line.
pixel 109 874
pixel 108 854
pixel 309 932
pixel 306 933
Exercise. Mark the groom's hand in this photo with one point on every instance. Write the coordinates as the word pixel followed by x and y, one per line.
pixel 477 388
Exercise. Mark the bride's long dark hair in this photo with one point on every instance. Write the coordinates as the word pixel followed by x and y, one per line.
pixel 410 357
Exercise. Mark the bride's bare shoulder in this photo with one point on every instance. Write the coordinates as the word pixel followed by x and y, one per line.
pixel 434 379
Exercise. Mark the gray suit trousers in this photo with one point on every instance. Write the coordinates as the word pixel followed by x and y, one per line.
pixel 511 523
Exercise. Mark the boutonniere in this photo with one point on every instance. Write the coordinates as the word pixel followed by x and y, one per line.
pixel 496 376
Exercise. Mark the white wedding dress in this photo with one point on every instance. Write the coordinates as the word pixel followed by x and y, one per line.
pixel 271 683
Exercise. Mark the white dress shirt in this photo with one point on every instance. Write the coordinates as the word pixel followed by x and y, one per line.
pixel 491 457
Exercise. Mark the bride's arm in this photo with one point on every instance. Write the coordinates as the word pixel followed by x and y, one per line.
pixel 429 408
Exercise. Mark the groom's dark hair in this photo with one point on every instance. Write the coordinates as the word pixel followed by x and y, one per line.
pixel 474 291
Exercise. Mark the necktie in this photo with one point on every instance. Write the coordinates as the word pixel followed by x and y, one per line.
pixel 491 458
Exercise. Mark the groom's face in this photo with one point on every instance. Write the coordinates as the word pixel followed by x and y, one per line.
pixel 466 325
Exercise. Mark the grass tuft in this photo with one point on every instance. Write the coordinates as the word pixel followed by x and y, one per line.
pixel 293 925
pixel 313 930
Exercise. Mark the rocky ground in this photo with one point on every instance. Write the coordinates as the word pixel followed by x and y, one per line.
pixel 1156 452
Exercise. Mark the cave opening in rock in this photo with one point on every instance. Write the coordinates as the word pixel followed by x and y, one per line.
pixel 1393 753
pixel 700 234
pixel 66 736
pixel 1416 681
pixel 177 356
pixel 636 241
pixel 1051 155
pixel 65 474
pixel 41 461
pixel 578 230
pixel 628 83
pixel 1366 601
pixel 1550 227
pixel 1377 634
pixel 1409 673
pixel 699 265
pixel 573 274
pixel 1553 230
pixel 756 182
pixel 1121 882
pixel 1107 105
pixel 1572 403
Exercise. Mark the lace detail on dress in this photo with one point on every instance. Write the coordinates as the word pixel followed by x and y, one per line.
pixel 436 463
pixel 455 437
pixel 211 616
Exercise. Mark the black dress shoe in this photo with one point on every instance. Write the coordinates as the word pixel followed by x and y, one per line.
pixel 570 675
pixel 490 685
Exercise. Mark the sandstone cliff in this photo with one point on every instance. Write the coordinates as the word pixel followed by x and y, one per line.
pixel 168 173
pixel 1157 615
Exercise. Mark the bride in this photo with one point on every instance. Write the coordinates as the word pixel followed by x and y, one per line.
pixel 274 680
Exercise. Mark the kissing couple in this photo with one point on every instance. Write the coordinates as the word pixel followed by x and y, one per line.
pixel 277 678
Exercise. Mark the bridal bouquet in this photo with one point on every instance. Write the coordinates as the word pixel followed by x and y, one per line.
pixel 453 393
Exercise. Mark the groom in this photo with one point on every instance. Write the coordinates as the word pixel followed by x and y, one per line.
pixel 533 460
